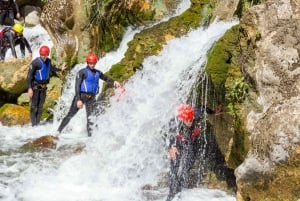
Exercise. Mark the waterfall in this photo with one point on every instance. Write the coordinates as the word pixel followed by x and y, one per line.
pixel 127 150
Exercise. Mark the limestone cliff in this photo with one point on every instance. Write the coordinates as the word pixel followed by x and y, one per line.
pixel 271 168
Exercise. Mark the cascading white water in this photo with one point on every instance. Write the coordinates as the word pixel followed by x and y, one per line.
pixel 126 150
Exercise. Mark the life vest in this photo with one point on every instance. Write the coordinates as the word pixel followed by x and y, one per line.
pixel 193 136
pixel 91 83
pixel 44 73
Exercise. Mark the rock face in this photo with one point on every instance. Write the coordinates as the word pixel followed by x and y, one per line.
pixel 274 30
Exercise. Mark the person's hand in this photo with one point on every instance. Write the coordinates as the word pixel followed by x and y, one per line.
pixel 79 104
pixel 173 152
pixel 30 56
pixel 30 92
pixel 117 84
pixel 18 15
pixel 63 67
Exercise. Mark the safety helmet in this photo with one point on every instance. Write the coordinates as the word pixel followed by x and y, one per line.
pixel 44 50
pixel 18 28
pixel 91 58
pixel 185 112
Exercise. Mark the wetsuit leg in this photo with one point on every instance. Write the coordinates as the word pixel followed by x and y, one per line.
pixel 90 107
pixel 73 110
pixel 186 163
pixel 2 17
pixel 41 101
pixel 174 181
pixel 11 17
pixel 36 108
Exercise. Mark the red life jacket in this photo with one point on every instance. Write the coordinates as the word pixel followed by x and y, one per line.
pixel 194 135
pixel 3 42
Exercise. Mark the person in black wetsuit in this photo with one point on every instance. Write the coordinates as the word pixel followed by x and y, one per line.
pixel 86 88
pixel 37 79
pixel 184 147
pixel 13 36
pixel 8 9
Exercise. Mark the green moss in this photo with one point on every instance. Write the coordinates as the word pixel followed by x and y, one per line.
pixel 70 57
pixel 223 56
pixel 150 41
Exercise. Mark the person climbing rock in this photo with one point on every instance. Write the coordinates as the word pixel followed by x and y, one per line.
pixel 10 37
pixel 86 89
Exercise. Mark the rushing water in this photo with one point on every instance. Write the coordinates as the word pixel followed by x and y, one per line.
pixel 126 151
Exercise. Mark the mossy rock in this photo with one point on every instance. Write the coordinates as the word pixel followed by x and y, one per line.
pixel 11 114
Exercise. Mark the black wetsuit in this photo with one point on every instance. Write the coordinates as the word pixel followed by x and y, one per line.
pixel 89 99
pixel 39 88
pixel 188 143
pixel 11 40
pixel 7 9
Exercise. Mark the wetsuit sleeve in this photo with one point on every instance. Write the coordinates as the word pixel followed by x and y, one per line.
pixel 109 81
pixel 172 141
pixel 54 68
pixel 16 6
pixel 81 75
pixel 31 73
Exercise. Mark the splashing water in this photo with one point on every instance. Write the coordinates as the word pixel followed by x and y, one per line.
pixel 126 151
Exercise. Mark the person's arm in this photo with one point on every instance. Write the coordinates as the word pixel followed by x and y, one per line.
pixel 17 9
pixel 81 75
pixel 30 76
pixel 25 41
pixel 110 81
pixel 173 150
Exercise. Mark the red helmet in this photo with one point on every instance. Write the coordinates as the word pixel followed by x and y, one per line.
pixel 91 58
pixel 44 50
pixel 185 112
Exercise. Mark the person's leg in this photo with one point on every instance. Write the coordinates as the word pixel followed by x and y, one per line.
pixel 90 107
pixel 34 107
pixel 2 17
pixel 186 163
pixel 73 110
pixel 174 182
pixel 11 17
pixel 41 101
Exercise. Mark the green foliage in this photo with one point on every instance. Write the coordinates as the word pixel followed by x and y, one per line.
pixel 70 57
pixel 53 56
pixel 237 91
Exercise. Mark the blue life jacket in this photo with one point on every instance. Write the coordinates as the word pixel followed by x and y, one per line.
pixel 44 73
pixel 91 83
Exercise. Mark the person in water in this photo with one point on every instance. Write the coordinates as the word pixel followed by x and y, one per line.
pixel 86 89
pixel 183 147
pixel 37 79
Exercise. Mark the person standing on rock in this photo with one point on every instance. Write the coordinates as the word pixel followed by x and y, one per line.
pixel 37 80
pixel 86 89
